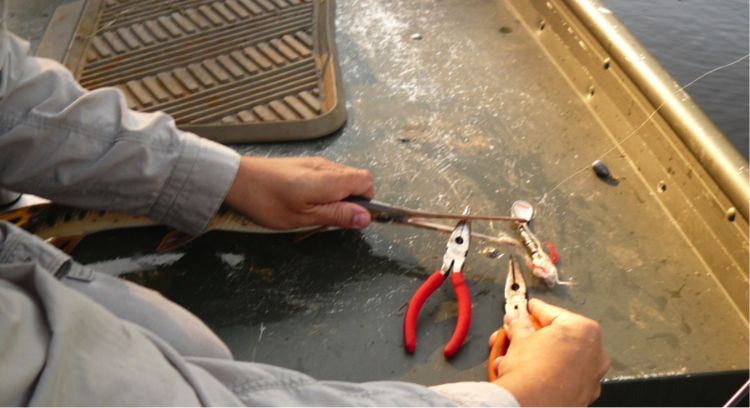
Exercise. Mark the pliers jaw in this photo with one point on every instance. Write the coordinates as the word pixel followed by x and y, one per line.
pixel 516 296
pixel 516 305
pixel 457 248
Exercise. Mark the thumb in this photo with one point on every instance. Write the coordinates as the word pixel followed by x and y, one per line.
pixel 518 325
pixel 341 214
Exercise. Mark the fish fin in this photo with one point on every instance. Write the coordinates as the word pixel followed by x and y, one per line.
pixel 553 255
pixel 172 240
pixel 66 244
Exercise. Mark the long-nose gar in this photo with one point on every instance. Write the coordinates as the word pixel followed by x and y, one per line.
pixel 54 220
pixel 50 220
pixel 68 224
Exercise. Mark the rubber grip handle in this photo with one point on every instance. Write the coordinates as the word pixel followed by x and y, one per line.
pixel 464 315
pixel 415 305
pixel 500 347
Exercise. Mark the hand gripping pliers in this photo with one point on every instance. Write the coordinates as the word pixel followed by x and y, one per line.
pixel 453 261
pixel 516 302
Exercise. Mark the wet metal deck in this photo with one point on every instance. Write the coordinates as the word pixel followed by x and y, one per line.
pixel 475 113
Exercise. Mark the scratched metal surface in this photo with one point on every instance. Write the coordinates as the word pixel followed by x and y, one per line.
pixel 472 113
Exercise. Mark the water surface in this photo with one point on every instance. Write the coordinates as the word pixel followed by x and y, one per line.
pixel 691 37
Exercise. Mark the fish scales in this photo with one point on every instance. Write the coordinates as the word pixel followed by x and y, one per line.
pixel 54 220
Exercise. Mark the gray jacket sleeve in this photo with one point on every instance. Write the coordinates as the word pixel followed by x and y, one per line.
pixel 88 149
pixel 62 348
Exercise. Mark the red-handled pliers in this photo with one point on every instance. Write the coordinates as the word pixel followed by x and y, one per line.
pixel 453 261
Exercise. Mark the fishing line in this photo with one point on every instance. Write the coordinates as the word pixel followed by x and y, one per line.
pixel 619 143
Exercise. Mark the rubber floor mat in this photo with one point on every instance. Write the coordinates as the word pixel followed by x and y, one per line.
pixel 234 71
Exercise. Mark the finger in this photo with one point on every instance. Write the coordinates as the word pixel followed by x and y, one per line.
pixel 496 365
pixel 597 394
pixel 339 184
pixel 368 192
pixel 340 214
pixel 359 182
pixel 519 327
pixel 544 312
pixel 493 336
pixel 605 365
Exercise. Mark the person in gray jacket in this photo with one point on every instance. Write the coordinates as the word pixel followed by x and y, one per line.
pixel 71 336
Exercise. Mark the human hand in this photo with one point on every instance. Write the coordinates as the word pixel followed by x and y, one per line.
pixel 560 364
pixel 285 193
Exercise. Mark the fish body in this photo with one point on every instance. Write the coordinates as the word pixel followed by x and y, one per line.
pixel 67 225
pixel 55 221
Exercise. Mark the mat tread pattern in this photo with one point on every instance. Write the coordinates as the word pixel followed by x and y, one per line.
pixel 209 61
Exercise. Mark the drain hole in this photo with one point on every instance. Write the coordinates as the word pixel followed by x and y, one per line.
pixel 731 214
pixel 606 63
pixel 542 24
pixel 662 186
